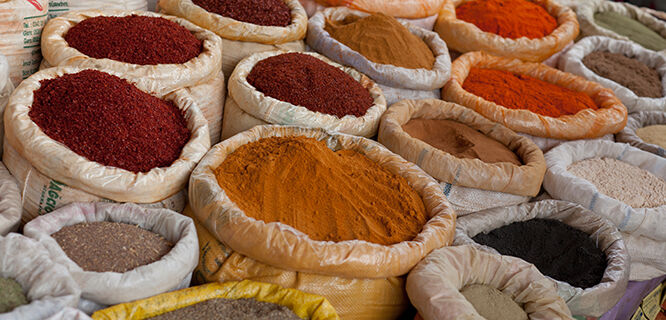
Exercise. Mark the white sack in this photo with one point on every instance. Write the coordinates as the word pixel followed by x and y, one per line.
pixel 545 144
pixel 70 314
pixel 6 89
pixel 59 7
pixel 10 202
pixel 639 120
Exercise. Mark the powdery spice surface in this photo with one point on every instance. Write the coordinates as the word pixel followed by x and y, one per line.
pixel 330 196
pixel 259 12
pixel 632 185
pixel 493 304
pixel 655 134
pixel 628 72
pixel 11 295
pixel 508 18
pixel 111 246
pixel 240 309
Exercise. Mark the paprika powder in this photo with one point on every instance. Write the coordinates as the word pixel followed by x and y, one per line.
pixel 259 12
pixel 508 18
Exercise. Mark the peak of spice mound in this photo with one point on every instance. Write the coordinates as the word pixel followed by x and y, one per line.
pixel 260 12
pixel 328 195
pixel 508 18
pixel 11 295
pixel 460 140
pixel 493 304
pixel 630 28
pixel 111 246
pixel 239 309
pixel 619 180
pixel 518 91
pixel 108 120
pixel 655 134
pixel 555 248
pixel 629 72
pixel 382 39
pixel 304 80
pixel 134 39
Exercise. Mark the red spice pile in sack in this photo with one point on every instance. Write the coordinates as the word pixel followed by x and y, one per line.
pixel 304 80
pixel 108 120
pixel 508 18
pixel 134 39
pixel 260 12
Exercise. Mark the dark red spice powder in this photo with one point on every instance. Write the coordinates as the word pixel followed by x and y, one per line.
pixel 108 120
pixel 260 12
pixel 134 39
pixel 306 81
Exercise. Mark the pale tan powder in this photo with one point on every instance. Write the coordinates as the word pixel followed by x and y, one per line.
pixel 493 304
pixel 653 134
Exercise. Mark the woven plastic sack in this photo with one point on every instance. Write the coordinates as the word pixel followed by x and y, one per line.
pixel 271 110
pixel 171 272
pixel 639 120
pixel 6 89
pixel 463 36
pixel 589 27
pixel 241 39
pixel 404 82
pixel 572 62
pixel 10 202
pixel 59 7
pixel 469 184
pixel 611 116
pixel 22 23
pixel 32 152
pixel 69 314
pixel 545 144
pixel 312 6
pixel 412 9
pixel 434 284
pixel 593 301
pixel 647 257
pixel 48 286
pixel 200 75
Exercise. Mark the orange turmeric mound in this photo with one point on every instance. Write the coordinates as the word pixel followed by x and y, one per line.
pixel 508 18
pixel 330 196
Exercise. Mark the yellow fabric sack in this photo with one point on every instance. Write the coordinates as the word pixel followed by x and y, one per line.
pixel 611 116
pixel 463 36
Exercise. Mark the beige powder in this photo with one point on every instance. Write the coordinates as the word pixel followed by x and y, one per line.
pixel 493 304
pixel 653 134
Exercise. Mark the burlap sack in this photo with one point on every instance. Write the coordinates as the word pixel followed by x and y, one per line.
pixel 22 23
pixel 200 75
pixel 44 166
pixel 610 118
pixel 593 301
pixel 48 286
pixel 171 272
pixel 639 120
pixel 241 39
pixel 401 82
pixel 270 110
pixel 10 202
pixel 6 89
pixel 59 7
pixel 485 185
pixel 464 36
pixel 412 9
pixel 434 284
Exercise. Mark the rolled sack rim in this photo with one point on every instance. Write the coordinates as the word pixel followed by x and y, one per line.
pixel 640 120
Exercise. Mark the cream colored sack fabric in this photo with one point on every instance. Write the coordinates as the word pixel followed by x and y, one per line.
pixel 647 257
pixel 545 144
pixel 10 202
pixel 6 89
pixel 411 9
pixel 48 286
pixel 434 284
pixel 70 314
pixel 593 301
pixel 236 120
pixel 419 82
pixel 639 120
pixel 464 36
pixel 59 7
pixel 274 111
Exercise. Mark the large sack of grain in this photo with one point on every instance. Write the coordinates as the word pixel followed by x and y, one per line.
pixel 60 7
pixel 469 184
pixel 639 120
pixel 10 202
pixel 6 89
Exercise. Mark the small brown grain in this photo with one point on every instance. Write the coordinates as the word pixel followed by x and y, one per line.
pixel 240 309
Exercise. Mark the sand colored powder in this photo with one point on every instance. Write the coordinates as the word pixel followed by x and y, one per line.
pixel 330 196
pixel 493 304
pixel 653 134
pixel 460 140
pixel 382 39
pixel 630 28
pixel 628 72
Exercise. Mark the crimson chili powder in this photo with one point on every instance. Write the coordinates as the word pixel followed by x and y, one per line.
pixel 134 39
pixel 260 12
pixel 304 80
pixel 108 120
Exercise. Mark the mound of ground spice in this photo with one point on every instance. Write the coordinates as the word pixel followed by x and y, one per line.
pixel 630 28
pixel 240 309
pixel 134 39
pixel 108 120
pixel 628 72
pixel 517 91
pixel 493 304
pixel 11 295
pixel 508 18
pixel 655 134
pixel 304 80
pixel 330 196
pixel 111 246
pixel 382 39
pixel 555 248
pixel 460 140
pixel 260 12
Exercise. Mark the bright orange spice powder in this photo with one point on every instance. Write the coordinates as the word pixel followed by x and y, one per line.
pixel 508 18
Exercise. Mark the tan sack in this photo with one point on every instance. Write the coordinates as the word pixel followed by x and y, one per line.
pixel 10 202
pixel 485 185
pixel 593 301
pixel 6 89
pixel 463 36
pixel 434 284
pixel 273 111
pixel 639 120
pixel 59 7
pixel 609 118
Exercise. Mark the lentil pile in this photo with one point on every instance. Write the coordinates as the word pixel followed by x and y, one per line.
pixel 111 246
pixel 304 80
pixel 11 295
pixel 241 309
pixel 343 196
pixel 493 304
pixel 508 18
pixel 108 120
pixel 630 28
pixel 555 248
pixel 259 12
pixel 628 72
pixel 619 180
pixel 653 134
pixel 134 39
pixel 518 91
